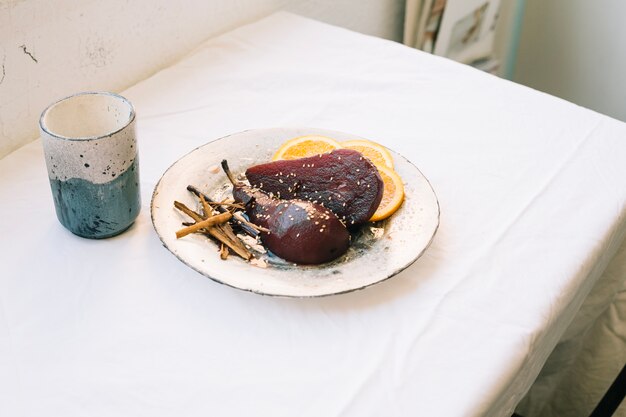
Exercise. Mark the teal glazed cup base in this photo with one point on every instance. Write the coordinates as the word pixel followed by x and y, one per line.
pixel 91 155
pixel 98 211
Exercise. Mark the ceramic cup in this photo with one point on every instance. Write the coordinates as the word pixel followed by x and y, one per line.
pixel 91 153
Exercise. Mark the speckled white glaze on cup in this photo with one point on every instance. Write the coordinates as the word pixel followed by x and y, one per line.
pixel 91 154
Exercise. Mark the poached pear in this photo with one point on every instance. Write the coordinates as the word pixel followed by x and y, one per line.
pixel 299 231
pixel 343 181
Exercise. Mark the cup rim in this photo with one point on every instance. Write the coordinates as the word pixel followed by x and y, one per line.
pixel 87 138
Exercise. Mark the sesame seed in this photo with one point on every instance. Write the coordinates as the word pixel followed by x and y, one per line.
pixel 297 234
pixel 331 178
pixel 358 183
pixel 280 180
pixel 321 230
pixel 358 170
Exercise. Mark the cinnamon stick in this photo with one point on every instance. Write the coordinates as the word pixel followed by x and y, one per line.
pixel 223 251
pixel 205 207
pixel 210 221
pixel 248 227
pixel 189 212
pixel 217 232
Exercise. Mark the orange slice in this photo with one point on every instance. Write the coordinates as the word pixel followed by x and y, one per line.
pixel 393 194
pixel 376 153
pixel 310 145
pixel 304 146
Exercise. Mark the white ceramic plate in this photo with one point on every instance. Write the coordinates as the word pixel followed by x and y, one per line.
pixel 378 252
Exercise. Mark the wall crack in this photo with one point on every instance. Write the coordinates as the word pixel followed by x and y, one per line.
pixel 4 72
pixel 27 52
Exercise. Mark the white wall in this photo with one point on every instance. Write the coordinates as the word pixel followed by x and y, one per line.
pixel 50 49
pixel 575 49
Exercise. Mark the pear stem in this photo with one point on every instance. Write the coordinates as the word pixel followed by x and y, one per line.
pixel 229 174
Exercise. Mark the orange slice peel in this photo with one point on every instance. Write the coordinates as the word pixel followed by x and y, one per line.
pixel 393 194
pixel 304 146
pixel 378 154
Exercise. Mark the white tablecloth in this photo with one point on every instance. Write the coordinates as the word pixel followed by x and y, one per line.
pixel 532 192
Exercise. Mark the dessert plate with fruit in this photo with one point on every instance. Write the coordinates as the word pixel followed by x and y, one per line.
pixel 295 212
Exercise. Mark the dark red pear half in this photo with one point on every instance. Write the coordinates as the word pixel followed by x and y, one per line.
pixel 299 231
pixel 343 181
